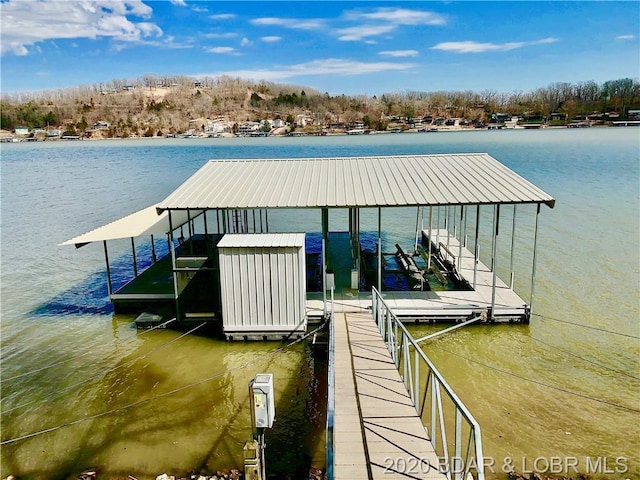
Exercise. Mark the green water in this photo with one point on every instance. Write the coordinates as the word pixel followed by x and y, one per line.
pixel 532 399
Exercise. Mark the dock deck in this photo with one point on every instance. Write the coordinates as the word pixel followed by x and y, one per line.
pixel 447 305
pixel 377 431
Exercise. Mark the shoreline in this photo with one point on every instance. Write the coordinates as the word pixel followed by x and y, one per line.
pixel 7 137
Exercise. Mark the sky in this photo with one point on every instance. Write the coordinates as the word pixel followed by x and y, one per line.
pixel 339 47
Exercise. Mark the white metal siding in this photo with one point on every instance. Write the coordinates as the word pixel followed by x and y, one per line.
pixel 263 282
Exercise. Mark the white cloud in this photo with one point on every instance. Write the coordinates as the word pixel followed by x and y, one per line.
pixel 480 47
pixel 399 53
pixel 398 16
pixel 625 37
pixel 221 35
pixel 271 39
pixel 383 21
pixel 25 23
pixel 222 16
pixel 180 3
pixel 329 66
pixel 220 50
pixel 295 23
pixel 360 33
pixel 245 42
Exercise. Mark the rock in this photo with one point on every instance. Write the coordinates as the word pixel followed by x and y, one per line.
pixel 164 476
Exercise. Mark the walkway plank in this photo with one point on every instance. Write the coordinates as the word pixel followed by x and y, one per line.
pixel 378 434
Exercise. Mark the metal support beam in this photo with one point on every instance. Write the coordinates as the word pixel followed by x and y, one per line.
pixel 325 236
pixel 476 248
pixel 135 261
pixel 449 329
pixel 535 250
pixel 496 223
pixel 430 238
pixel 173 265
pixel 513 245
pixel 415 245
pixel 379 286
pixel 106 258
pixel 437 228
pixel 460 239
pixel 190 232
pixel 154 257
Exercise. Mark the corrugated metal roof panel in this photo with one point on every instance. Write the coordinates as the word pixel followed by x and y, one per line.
pixel 446 179
pixel 140 223
pixel 261 240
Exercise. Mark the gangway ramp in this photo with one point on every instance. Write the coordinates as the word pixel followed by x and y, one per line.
pixel 377 431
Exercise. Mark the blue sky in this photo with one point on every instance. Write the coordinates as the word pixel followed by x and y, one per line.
pixel 362 47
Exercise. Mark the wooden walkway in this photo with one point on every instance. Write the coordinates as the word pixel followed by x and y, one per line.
pixel 377 431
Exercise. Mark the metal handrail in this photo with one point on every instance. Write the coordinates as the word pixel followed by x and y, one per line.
pixel 331 398
pixel 426 395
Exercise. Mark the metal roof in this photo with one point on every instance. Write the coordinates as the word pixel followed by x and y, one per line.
pixel 143 222
pixel 380 181
pixel 261 240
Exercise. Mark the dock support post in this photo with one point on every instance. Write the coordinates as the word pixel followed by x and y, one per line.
pixel 535 249
pixel 154 258
pixel 135 262
pixel 493 241
pixel 415 245
pixel 437 229
pixel 464 235
pixel 325 234
pixel 430 237
pixel 476 248
pixel 496 223
pixel 380 250
pixel 460 239
pixel 206 227
pixel 448 224
pixel 190 230
pixel 172 249
pixel 513 244
pixel 106 258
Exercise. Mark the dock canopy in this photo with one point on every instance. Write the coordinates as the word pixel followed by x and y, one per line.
pixel 140 223
pixel 380 181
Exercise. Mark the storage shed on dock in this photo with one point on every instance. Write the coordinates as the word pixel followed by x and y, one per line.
pixel 262 282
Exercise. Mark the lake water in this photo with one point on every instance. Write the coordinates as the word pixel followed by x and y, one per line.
pixel 563 386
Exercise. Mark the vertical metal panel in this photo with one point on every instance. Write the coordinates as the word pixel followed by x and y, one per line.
pixel 263 282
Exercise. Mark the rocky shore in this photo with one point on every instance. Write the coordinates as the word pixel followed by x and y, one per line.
pixel 229 474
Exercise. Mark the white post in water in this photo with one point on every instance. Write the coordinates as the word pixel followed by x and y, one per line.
pixel 430 237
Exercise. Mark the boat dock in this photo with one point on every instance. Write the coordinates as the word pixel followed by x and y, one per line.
pixel 438 305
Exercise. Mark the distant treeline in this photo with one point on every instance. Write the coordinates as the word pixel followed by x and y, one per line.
pixel 169 104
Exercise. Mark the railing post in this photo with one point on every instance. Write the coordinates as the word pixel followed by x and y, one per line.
pixel 416 376
pixel 458 446
pixel 434 389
